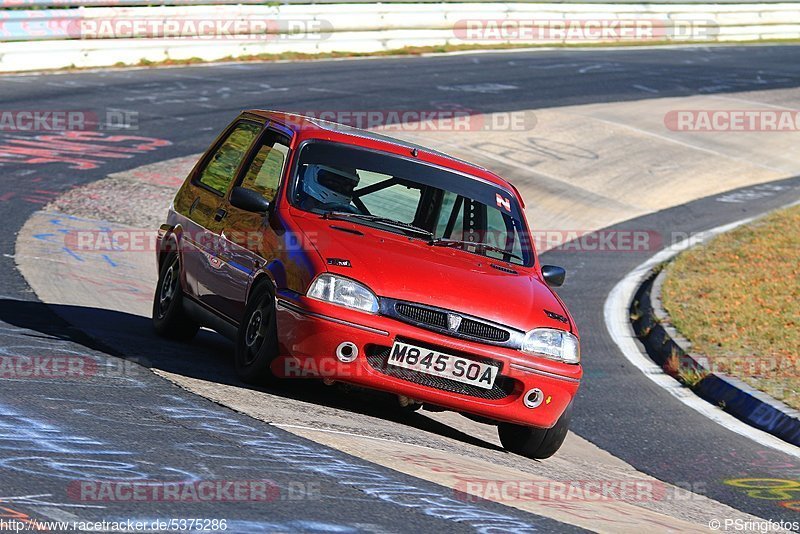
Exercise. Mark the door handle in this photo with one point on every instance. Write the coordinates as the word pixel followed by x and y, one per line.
pixel 221 213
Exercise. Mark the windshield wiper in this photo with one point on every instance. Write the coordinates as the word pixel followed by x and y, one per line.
pixel 446 242
pixel 375 218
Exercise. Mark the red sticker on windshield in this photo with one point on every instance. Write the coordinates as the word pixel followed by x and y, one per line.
pixel 503 202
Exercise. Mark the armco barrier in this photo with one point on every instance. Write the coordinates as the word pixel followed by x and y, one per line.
pixel 351 27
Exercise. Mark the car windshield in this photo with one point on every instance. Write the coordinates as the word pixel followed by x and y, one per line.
pixel 411 197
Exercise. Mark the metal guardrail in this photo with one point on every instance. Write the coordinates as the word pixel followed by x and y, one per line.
pixel 780 19
pixel 26 35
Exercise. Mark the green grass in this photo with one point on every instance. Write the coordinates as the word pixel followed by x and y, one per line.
pixel 737 299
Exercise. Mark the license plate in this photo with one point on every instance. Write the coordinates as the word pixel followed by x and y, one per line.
pixel 436 363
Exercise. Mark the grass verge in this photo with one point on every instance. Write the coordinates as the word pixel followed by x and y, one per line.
pixel 737 299
pixel 420 50
pixel 405 51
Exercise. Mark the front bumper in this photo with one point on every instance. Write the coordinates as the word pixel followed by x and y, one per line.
pixel 310 332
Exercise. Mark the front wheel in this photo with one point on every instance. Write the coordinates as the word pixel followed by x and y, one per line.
pixel 538 443
pixel 169 318
pixel 257 340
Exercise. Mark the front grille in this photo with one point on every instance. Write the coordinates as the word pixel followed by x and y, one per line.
pixel 425 316
pixel 436 319
pixel 377 356
pixel 483 331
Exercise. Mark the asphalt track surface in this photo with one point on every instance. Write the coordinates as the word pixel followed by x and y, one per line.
pixel 126 425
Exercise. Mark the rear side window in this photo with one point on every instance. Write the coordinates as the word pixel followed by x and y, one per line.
pixel 266 169
pixel 221 166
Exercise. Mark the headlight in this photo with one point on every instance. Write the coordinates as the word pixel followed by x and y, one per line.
pixel 554 344
pixel 344 292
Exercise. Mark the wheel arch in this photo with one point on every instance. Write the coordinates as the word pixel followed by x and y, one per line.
pixel 169 238
pixel 263 276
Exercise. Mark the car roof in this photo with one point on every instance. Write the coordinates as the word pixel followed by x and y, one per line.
pixel 313 128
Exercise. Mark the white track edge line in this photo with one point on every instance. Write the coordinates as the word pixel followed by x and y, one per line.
pixel 616 316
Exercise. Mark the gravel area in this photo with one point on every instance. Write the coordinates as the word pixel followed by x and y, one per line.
pixel 138 198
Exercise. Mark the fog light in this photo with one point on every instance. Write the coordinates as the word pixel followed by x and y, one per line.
pixel 533 398
pixel 347 352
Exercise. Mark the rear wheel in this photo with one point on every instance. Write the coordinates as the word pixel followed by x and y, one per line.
pixel 257 340
pixel 533 442
pixel 169 318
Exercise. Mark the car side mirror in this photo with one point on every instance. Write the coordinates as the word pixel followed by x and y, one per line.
pixel 249 200
pixel 554 276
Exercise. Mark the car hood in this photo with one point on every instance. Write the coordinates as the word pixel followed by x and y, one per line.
pixel 403 268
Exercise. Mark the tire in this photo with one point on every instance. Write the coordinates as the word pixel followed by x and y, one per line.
pixel 169 318
pixel 257 340
pixel 408 409
pixel 537 443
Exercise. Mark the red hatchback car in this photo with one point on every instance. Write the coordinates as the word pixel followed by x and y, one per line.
pixel 323 250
